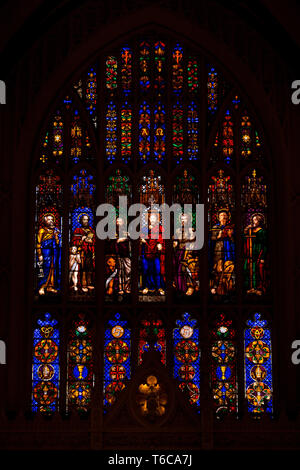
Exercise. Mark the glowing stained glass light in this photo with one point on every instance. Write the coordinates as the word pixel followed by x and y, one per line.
pixel 160 60
pixel 152 331
pixel 111 132
pixel 258 366
pixel 192 75
pixel 91 94
pixel 177 141
pixel 227 138
pixel 76 138
pixel 111 73
pixel 177 75
pixel 246 141
pixel 212 90
pixel 80 365
pixel 126 69
pixel 257 139
pixel 57 135
pixel 144 66
pixel 187 357
pixel 45 149
pixel 159 133
pixel 126 124
pixel 48 234
pixel 45 368
pixel 223 367
pixel 78 88
pixel 117 368
pixel 236 101
pixel 144 132
pixel 192 132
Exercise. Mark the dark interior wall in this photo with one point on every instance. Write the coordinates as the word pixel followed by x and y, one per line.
pixel 43 45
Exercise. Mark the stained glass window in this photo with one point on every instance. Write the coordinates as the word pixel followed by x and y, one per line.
pixel 48 234
pixel 45 149
pixel 111 132
pixel 118 250
pixel 227 138
pixel 76 138
pixel 221 204
pixel 91 95
pixel 126 69
pixel 178 132
pixel 160 63
pixel 45 367
pixel 255 236
pixel 173 130
pixel 177 79
pixel 117 358
pixel 111 73
pixel 159 133
pixel 212 87
pixel 80 365
pixel 192 132
pixel 152 334
pixel 217 90
pixel 126 132
pixel 58 137
pixel 186 264
pixel 82 236
pixel 144 66
pixel 144 132
pixel 223 367
pixel 246 137
pixel 192 70
pixel 258 366
pixel 187 358
pixel 152 277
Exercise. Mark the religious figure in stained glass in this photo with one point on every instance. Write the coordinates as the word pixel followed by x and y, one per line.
pixel 152 282
pixel 222 245
pixel 48 252
pixel 82 236
pixel 119 264
pixel 48 240
pixel 255 246
pixel 254 203
pixel 222 235
pixel 82 257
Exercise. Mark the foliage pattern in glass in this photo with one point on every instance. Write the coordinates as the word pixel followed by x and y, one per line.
pixel 45 367
pixel 258 366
